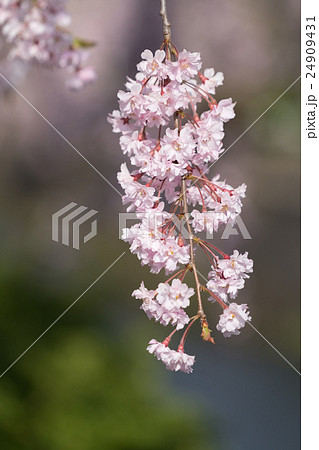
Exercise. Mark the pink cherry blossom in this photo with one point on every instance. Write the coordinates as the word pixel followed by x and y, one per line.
pixel 225 110
pixel 82 77
pixel 186 67
pixel 173 360
pixel 179 146
pixel 212 80
pixel 152 246
pixel 170 148
pixel 237 265
pixel 119 123
pixel 37 32
pixel 206 220
pixel 141 197
pixel 233 319
pixel 153 65
pixel 144 294
pixel 229 275
pixel 209 135
pixel 166 304
pixel 175 295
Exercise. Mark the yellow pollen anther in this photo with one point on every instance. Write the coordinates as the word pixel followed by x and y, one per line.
pixel 154 65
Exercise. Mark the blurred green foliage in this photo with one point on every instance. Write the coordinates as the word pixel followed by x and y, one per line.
pixel 76 389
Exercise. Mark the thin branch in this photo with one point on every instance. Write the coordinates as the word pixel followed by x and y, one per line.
pixel 166 24
pixel 200 311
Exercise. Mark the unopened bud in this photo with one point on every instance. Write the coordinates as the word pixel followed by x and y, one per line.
pixel 180 241
pixel 206 332
pixel 141 135
pixel 202 77
pixel 137 176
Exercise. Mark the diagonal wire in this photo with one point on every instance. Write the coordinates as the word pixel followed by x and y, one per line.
pixel 255 121
pixel 263 337
pixel 236 140
pixel 99 173
pixel 247 129
pixel 61 315
pixel 59 133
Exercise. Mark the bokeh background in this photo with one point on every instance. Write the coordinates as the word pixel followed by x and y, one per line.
pixel 89 383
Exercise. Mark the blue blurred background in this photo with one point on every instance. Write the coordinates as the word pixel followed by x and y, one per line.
pixel 89 383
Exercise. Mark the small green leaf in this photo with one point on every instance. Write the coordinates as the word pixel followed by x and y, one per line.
pixel 82 43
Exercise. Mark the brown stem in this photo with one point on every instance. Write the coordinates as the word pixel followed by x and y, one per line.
pixel 166 24
pixel 219 300
pixel 182 342
pixel 200 311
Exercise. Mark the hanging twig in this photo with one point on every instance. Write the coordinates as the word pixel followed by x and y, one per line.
pixel 200 311
pixel 166 24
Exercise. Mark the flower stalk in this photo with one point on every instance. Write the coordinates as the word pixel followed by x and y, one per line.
pixel 200 310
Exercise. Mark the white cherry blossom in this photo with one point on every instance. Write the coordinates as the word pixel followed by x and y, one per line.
pixel 173 360
pixel 212 80
pixel 233 319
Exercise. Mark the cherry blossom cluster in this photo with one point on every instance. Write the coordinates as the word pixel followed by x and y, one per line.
pixel 228 275
pixel 36 31
pixel 170 147
pixel 166 303
pixel 173 360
